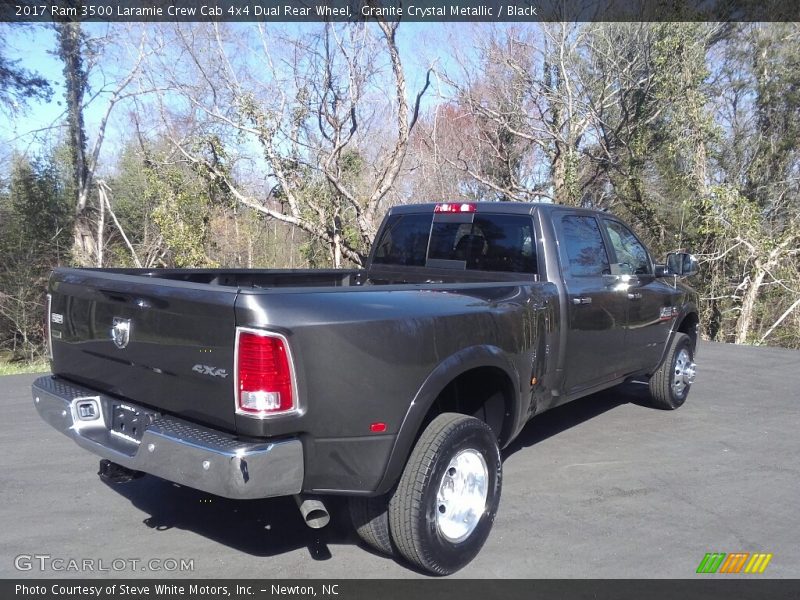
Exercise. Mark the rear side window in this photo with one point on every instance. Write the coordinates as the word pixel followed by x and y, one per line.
pixel 489 243
pixel 404 241
pixel 584 245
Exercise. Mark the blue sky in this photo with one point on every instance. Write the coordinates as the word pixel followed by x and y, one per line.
pixel 34 47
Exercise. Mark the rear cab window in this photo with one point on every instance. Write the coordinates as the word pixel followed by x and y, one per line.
pixel 488 242
pixel 404 241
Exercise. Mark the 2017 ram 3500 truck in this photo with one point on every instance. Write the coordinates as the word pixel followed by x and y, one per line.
pixel 395 386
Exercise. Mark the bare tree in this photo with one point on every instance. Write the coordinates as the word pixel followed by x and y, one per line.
pixel 309 116
pixel 105 205
pixel 527 101
pixel 78 54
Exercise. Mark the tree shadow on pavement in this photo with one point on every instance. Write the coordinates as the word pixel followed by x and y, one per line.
pixel 258 527
pixel 274 526
pixel 571 414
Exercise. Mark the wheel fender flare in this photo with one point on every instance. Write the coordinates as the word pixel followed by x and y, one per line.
pixel 687 309
pixel 446 371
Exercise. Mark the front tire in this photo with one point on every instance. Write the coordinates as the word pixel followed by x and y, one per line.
pixel 445 504
pixel 670 384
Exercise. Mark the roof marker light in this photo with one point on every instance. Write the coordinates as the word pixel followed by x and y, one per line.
pixel 455 208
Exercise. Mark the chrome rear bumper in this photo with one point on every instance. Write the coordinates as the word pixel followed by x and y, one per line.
pixel 172 448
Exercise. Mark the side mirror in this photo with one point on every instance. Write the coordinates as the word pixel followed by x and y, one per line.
pixel 681 264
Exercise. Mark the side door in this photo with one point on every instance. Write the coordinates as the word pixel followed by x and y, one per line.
pixel 596 313
pixel 649 299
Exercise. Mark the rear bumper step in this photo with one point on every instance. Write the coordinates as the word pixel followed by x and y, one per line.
pixel 172 448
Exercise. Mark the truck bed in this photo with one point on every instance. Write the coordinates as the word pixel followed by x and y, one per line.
pixel 180 358
pixel 249 278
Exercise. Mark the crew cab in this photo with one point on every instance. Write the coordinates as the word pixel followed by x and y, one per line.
pixel 396 385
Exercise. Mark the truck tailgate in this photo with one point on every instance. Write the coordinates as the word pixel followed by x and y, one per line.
pixel 174 343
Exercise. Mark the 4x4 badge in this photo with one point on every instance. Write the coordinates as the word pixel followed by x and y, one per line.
pixel 208 370
pixel 121 332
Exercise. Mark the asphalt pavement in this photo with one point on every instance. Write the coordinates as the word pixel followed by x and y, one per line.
pixel 604 487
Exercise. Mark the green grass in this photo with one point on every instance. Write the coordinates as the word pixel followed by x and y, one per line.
pixel 17 367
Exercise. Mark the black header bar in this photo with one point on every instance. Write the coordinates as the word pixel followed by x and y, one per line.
pixel 400 10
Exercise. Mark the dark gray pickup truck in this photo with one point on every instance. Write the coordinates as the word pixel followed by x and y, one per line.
pixel 395 386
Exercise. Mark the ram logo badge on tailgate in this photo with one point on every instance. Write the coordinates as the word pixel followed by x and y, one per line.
pixel 121 332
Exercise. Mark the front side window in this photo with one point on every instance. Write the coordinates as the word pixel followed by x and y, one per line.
pixel 632 258
pixel 586 252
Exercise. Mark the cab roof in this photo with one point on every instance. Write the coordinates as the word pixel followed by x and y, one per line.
pixel 505 208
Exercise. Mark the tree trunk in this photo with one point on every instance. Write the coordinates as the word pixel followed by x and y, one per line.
pixel 84 247
pixel 101 224
pixel 237 245
pixel 748 306
pixel 564 175
pixel 70 51
pixel 559 176
pixel 337 250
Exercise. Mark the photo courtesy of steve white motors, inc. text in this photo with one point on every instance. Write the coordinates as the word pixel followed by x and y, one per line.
pixel 172 589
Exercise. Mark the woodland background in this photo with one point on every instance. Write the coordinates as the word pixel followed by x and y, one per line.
pixel 271 146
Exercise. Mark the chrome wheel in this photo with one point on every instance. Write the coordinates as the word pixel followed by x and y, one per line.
pixel 683 373
pixel 461 499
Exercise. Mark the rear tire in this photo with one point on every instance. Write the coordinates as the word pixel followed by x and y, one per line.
pixel 370 517
pixel 445 504
pixel 670 384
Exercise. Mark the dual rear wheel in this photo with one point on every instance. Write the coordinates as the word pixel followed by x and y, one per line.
pixel 444 506
pixel 442 510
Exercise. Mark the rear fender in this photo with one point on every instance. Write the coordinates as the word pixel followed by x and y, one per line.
pixel 458 363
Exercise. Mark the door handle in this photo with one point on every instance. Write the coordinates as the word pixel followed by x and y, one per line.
pixel 582 300
pixel 634 295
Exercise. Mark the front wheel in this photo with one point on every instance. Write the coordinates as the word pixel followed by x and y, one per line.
pixel 445 504
pixel 669 385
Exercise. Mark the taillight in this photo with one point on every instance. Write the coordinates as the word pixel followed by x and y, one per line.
pixel 48 337
pixel 455 208
pixel 264 379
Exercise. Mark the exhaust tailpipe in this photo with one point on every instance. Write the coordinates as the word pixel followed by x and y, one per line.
pixel 313 510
